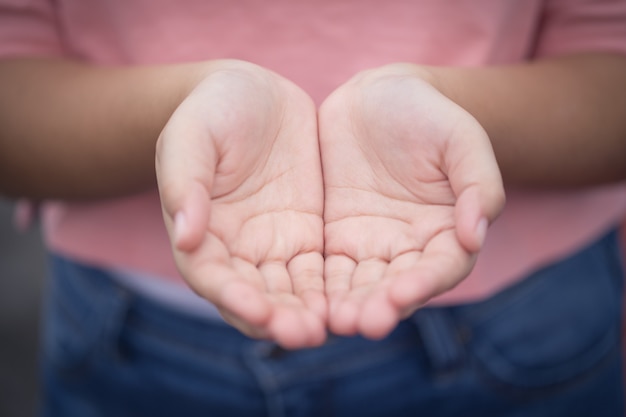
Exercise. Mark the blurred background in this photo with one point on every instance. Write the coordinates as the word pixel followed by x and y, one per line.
pixel 22 277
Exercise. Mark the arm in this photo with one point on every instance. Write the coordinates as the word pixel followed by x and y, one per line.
pixel 235 144
pixel 553 122
pixel 70 130
pixel 404 219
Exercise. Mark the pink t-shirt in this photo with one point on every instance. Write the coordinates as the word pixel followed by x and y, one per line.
pixel 319 44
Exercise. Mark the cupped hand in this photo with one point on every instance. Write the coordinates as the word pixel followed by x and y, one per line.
pixel 240 180
pixel 411 184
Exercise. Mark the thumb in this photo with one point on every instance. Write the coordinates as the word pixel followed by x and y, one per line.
pixel 475 210
pixel 476 181
pixel 185 167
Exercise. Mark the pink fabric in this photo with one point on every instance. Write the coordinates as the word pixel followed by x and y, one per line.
pixel 319 44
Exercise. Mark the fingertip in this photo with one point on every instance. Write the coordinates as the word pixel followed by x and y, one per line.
pixel 471 222
pixel 378 318
pixel 191 220
pixel 281 329
pixel 472 236
pixel 317 303
pixel 343 318
pixel 296 330
pixel 399 293
pixel 244 327
pixel 246 303
pixel 404 292
pixel 316 330
pixel 318 338
pixel 480 233
pixel 181 234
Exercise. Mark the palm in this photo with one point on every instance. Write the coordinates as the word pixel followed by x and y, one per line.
pixel 256 173
pixel 397 201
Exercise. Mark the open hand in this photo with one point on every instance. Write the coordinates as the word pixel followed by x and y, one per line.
pixel 411 183
pixel 240 180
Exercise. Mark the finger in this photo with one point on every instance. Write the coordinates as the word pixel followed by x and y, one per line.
pixel 254 332
pixel 342 315
pixel 367 273
pixel 364 282
pixel 475 178
pixel 292 324
pixel 276 277
pixel 338 270
pixel 403 263
pixel 289 326
pixel 294 327
pixel 470 219
pixel 209 272
pixel 306 271
pixel 185 167
pixel 235 295
pixel 442 265
pixel 249 272
pixel 378 316
pixel 365 278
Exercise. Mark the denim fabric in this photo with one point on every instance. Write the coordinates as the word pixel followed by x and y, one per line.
pixel 548 346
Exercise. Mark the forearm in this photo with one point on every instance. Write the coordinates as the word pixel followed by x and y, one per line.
pixel 558 122
pixel 70 130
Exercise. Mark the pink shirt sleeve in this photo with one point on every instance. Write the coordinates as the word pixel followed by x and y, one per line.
pixel 571 26
pixel 28 28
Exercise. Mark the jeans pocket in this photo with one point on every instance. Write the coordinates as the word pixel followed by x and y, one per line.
pixel 555 328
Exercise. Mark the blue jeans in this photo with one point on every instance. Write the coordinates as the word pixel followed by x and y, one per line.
pixel 549 346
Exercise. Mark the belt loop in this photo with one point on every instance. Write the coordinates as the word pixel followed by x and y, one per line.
pixel 440 338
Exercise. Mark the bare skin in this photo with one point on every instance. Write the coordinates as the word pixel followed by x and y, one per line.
pixel 241 184
pixel 411 183
pixel 409 175
pixel 240 178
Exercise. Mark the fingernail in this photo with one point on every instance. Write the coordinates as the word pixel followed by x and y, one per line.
pixel 481 231
pixel 180 226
